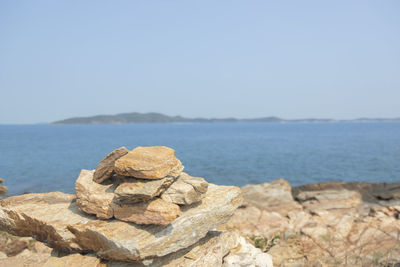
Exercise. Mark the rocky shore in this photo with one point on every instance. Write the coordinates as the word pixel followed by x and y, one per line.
pixel 328 224
pixel 138 208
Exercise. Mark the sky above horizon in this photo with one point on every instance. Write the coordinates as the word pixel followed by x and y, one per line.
pixel 291 59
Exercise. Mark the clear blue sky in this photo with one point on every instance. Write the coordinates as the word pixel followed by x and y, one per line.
pixel 292 59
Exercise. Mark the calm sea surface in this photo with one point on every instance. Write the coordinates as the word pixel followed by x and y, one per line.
pixel 41 158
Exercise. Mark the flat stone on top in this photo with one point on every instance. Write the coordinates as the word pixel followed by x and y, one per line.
pixel 154 162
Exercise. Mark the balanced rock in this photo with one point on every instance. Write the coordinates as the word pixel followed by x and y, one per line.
pixel 137 190
pixel 54 218
pixel 99 199
pixel 156 211
pixel 186 190
pixel 154 162
pixel 105 170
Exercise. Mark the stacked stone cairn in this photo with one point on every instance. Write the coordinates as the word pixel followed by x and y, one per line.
pixel 136 209
pixel 143 186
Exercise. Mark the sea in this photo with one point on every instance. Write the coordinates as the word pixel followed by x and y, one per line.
pixel 46 157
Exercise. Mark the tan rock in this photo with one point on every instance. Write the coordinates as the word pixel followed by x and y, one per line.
pixel 33 257
pixel 137 190
pixel 329 199
pixel 274 196
pixel 149 163
pixel 105 170
pixel 1 180
pixel 156 211
pixel 99 199
pixel 186 190
pixel 94 198
pixel 3 189
pixel 247 255
pixel 209 251
pixel 55 219
pixel 74 260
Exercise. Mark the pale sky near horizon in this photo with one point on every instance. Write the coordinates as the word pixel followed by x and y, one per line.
pixel 291 59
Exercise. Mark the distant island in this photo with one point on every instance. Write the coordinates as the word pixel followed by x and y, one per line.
pixel 154 117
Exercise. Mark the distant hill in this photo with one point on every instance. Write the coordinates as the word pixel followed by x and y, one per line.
pixel 153 117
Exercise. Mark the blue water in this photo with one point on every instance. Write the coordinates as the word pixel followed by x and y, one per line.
pixel 42 158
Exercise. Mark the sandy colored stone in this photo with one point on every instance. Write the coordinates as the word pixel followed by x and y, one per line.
pixel 247 255
pixel 94 198
pixel 100 200
pixel 55 218
pixel 274 196
pixel 329 199
pixel 105 170
pixel 74 260
pixel 186 190
pixel 209 251
pixel 138 190
pixel 35 256
pixel 154 162
pixel 156 211
pixel 1 180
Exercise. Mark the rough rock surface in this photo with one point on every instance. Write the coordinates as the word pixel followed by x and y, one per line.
pixel 36 255
pixel 186 190
pixel 338 224
pixel 94 198
pixel 209 251
pixel 105 170
pixel 99 199
pixel 155 211
pixel 55 218
pixel 247 255
pixel 74 260
pixel 329 199
pixel 154 162
pixel 141 190
pixel 274 196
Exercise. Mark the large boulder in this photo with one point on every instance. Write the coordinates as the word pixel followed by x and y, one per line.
pixel 186 190
pixel 154 162
pixel 275 196
pixel 105 170
pixel 54 218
